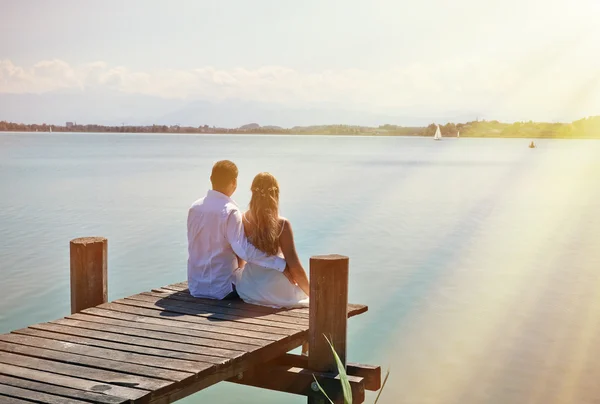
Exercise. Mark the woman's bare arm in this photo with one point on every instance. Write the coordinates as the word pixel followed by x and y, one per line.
pixel 291 256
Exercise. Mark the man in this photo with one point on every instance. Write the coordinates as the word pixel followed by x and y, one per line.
pixel 216 239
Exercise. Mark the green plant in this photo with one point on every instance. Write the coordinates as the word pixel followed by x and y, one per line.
pixel 346 390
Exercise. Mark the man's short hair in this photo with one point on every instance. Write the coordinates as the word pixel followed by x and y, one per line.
pixel 224 172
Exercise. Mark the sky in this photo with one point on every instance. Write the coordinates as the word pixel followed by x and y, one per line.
pixel 504 59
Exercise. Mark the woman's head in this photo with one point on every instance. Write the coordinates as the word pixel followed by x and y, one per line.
pixel 264 210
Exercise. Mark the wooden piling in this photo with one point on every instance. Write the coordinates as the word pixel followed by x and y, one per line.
pixel 327 313
pixel 88 272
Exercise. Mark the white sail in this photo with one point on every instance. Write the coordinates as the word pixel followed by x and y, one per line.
pixel 50 129
pixel 457 133
pixel 438 133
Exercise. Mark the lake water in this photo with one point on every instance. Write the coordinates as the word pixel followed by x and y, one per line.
pixel 479 258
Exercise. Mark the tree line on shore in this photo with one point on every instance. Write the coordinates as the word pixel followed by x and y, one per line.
pixel 580 129
pixel 583 128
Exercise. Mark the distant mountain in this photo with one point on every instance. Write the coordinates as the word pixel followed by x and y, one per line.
pixel 102 108
pixel 250 126
pixel 235 113
pixel 113 108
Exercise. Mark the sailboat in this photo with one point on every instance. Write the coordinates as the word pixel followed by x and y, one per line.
pixel 457 133
pixel 438 133
pixel 50 129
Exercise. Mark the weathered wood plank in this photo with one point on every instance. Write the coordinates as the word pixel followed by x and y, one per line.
pixel 162 324
pixel 262 355
pixel 170 369
pixel 161 353
pixel 217 326
pixel 161 335
pixel 36 396
pixel 298 381
pixel 42 376
pixel 148 375
pixel 237 305
pixel 12 400
pixel 140 341
pixel 244 311
pixel 370 374
pixel 68 369
pixel 61 391
pixel 176 306
pixel 301 312
pixel 353 309
pixel 183 289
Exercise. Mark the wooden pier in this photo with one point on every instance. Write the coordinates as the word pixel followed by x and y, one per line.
pixel 163 345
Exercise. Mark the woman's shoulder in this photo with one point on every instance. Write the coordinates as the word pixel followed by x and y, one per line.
pixel 284 225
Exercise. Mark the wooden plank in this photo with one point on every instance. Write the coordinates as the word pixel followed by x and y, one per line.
pixel 356 309
pixel 140 341
pixel 236 304
pixel 184 292
pixel 353 309
pixel 148 375
pixel 370 374
pixel 176 306
pixel 182 287
pixel 32 373
pixel 244 311
pixel 186 391
pixel 84 372
pixel 164 336
pixel 12 400
pixel 162 324
pixel 36 396
pixel 298 381
pixel 61 391
pixel 161 353
pixel 217 326
pixel 262 355
pixel 173 369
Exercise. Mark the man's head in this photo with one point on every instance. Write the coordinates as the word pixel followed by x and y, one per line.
pixel 224 177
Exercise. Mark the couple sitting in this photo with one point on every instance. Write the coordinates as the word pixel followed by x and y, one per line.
pixel 243 255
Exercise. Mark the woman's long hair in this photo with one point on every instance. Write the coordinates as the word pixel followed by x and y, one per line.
pixel 264 210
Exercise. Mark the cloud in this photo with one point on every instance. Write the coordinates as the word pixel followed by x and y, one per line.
pixel 543 88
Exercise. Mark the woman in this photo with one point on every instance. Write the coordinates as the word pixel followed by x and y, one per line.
pixel 272 234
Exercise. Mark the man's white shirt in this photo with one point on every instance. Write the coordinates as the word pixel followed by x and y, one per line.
pixel 215 237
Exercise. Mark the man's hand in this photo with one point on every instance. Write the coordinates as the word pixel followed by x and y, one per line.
pixel 288 275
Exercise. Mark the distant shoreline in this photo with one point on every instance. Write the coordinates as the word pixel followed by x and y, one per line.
pixel 482 136
pixel 587 128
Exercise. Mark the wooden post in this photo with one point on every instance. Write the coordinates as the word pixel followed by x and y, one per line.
pixel 327 313
pixel 88 272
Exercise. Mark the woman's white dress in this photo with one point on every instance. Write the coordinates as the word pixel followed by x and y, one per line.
pixel 268 287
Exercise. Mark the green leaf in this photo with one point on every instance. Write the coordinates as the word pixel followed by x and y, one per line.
pixel 382 386
pixel 322 391
pixel 343 376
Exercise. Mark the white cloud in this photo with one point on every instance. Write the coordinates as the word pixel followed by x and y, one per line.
pixel 539 89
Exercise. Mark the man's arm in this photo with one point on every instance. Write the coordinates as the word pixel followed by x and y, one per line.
pixel 245 250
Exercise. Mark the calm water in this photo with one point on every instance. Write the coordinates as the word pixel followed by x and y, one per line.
pixel 478 258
